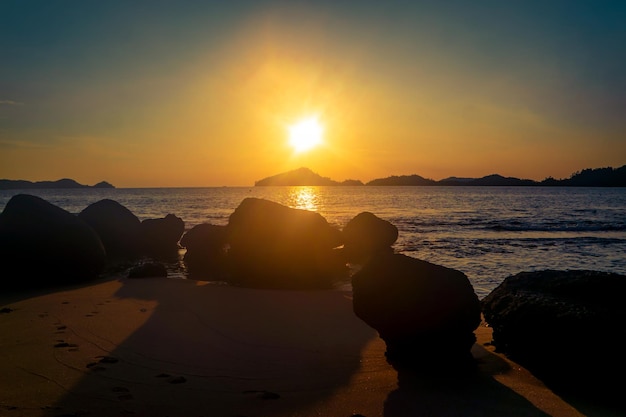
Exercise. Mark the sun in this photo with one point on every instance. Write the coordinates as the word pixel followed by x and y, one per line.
pixel 305 134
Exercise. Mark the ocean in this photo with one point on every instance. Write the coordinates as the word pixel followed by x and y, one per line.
pixel 488 233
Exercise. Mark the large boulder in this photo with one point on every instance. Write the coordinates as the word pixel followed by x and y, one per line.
pixel 43 245
pixel 205 254
pixel 367 234
pixel 117 226
pixel 565 326
pixel 275 246
pixel 160 236
pixel 425 313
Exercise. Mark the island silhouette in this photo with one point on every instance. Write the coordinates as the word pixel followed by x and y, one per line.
pixel 64 183
pixel 590 177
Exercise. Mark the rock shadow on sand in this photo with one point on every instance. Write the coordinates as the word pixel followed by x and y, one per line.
pixel 442 390
pixel 211 349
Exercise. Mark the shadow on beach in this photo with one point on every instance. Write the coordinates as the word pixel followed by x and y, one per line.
pixel 170 347
pixel 210 349
pixel 448 393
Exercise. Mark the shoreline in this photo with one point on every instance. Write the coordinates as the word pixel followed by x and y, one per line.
pixel 173 347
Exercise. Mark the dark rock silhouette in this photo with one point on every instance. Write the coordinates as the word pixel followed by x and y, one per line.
pixel 425 313
pixel 567 327
pixel 206 251
pixel 43 245
pixel 366 234
pixel 160 236
pixel 118 228
pixel 275 246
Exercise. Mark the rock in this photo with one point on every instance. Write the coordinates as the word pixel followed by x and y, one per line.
pixel 43 245
pixel 148 270
pixel 206 251
pixel 274 246
pixel 367 234
pixel 567 327
pixel 160 236
pixel 425 313
pixel 117 226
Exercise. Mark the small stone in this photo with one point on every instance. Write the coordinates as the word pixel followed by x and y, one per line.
pixel 177 380
pixel 266 395
pixel 65 344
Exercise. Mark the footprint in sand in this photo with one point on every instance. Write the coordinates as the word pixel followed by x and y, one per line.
pixel 63 344
pixel 265 395
pixel 173 379
pixel 107 359
pixel 96 366
pixel 177 380
pixel 124 393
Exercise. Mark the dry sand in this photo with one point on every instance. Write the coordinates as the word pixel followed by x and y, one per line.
pixel 168 347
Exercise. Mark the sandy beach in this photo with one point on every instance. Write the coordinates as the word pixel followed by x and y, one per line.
pixel 170 347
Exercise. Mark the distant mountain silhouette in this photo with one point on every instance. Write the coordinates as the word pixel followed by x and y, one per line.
pixel 302 176
pixel 64 183
pixel 598 177
pixel 403 180
pixel 490 180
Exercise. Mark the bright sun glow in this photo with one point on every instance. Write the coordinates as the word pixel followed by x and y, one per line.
pixel 305 134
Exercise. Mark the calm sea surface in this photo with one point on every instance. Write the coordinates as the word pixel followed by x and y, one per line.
pixel 488 233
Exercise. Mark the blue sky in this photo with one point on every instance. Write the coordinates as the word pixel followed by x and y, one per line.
pixel 117 90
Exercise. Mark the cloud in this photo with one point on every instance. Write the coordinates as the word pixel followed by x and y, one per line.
pixel 19 144
pixel 10 103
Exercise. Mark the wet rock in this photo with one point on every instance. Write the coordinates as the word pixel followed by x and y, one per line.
pixel 206 251
pixel 160 237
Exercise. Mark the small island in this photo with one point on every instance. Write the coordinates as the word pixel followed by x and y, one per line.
pixel 302 176
pixel 64 183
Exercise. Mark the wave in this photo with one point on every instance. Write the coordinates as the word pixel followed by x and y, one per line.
pixel 563 227
pixel 507 225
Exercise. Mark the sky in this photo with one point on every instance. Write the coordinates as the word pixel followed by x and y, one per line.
pixel 203 93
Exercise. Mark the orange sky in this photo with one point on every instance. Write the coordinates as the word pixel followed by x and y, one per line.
pixel 204 95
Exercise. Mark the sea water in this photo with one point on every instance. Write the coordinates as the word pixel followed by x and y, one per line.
pixel 488 233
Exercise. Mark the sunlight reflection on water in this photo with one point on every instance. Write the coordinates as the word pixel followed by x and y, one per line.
pixel 305 198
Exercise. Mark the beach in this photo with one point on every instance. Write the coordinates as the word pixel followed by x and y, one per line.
pixel 174 347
